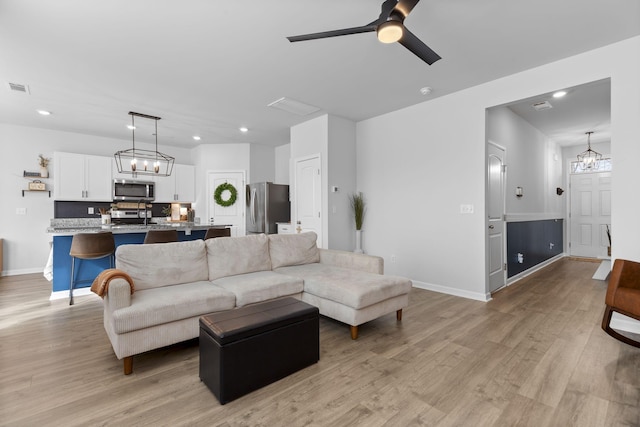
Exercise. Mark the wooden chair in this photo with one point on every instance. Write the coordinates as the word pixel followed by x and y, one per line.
pixel 623 296
pixel 161 236
pixel 217 232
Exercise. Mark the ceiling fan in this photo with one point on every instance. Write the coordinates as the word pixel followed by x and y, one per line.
pixel 389 27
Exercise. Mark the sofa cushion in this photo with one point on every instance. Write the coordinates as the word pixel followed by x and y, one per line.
pixel 229 256
pixel 349 287
pixel 293 249
pixel 163 264
pixel 156 306
pixel 260 286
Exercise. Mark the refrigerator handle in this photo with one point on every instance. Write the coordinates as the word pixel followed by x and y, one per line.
pixel 253 206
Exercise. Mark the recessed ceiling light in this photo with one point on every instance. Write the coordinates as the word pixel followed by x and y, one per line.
pixel 131 127
pixel 244 129
pixel 560 94
pixel 196 137
pixel 44 112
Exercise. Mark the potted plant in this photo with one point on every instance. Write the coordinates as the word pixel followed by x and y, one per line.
pixel 166 211
pixel 358 206
pixel 43 162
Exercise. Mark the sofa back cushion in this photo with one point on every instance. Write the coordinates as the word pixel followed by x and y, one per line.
pixel 293 249
pixel 230 256
pixel 163 264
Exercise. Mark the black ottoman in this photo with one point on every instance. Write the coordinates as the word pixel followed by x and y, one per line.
pixel 247 348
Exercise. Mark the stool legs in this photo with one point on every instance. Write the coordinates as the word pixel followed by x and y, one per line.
pixel 73 262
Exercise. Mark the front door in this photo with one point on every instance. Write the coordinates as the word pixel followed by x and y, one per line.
pixel 308 196
pixel 495 223
pixel 590 214
pixel 230 215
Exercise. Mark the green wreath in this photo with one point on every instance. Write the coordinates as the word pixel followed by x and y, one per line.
pixel 217 195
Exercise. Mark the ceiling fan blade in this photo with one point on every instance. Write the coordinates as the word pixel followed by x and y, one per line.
pixel 335 33
pixel 406 6
pixel 415 45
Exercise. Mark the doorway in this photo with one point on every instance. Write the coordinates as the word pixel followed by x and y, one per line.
pixel 308 196
pixel 590 214
pixel 496 171
pixel 227 215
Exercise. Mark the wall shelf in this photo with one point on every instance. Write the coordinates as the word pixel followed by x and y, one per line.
pixel 36 191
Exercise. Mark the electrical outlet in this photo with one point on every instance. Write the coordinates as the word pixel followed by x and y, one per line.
pixel 334 210
pixel 90 211
pixel 393 259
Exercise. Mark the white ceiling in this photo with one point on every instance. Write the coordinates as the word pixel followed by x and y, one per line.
pixel 208 67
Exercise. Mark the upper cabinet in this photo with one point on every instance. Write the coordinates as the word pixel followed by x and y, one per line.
pixel 180 186
pixel 82 177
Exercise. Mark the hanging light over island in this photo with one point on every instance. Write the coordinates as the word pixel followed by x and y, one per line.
pixel 137 161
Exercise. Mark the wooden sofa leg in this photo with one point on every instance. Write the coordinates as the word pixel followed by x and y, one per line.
pixel 128 365
pixel 399 315
pixel 606 321
pixel 354 332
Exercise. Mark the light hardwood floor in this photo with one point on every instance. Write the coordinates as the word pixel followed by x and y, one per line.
pixel 534 356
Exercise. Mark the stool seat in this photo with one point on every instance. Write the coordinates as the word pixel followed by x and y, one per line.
pixel 161 236
pixel 217 232
pixel 90 246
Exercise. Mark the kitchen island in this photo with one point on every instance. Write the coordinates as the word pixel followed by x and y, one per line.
pixel 63 230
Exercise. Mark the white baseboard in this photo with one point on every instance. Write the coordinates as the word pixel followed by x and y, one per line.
pixel 624 323
pixel 452 291
pixel 22 271
pixel 65 294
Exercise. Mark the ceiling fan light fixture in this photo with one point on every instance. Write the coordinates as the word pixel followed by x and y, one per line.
pixel 390 31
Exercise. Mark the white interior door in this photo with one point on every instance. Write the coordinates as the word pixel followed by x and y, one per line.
pixel 232 215
pixel 590 213
pixel 496 234
pixel 307 205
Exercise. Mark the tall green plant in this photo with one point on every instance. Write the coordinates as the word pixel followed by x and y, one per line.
pixel 358 205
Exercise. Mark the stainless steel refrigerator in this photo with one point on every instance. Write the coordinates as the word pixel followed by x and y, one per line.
pixel 267 204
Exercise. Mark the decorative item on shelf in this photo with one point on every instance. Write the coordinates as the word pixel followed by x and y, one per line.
pixel 28 174
pixel 37 185
pixel 609 237
pixel 589 159
pixel 44 163
pixel 559 191
pixel 146 162
pixel 225 195
pixel 358 206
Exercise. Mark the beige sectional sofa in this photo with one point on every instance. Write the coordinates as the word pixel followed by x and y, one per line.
pixel 176 283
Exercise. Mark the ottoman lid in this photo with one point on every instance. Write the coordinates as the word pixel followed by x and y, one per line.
pixel 229 326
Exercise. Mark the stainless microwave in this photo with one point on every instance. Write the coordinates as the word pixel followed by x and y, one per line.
pixel 126 189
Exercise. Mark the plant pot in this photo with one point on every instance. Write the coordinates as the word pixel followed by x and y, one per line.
pixel 44 172
pixel 105 219
pixel 358 249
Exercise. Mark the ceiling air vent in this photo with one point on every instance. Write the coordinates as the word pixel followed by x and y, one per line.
pixel 292 106
pixel 17 87
pixel 543 105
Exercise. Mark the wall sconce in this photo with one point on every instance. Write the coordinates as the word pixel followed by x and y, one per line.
pixel 559 191
pixel 518 192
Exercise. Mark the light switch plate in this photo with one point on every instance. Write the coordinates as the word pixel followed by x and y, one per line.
pixel 466 209
pixel 21 211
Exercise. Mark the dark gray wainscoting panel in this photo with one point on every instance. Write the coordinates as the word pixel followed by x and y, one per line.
pixel 537 241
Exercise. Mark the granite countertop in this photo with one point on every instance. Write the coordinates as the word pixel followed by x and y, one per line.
pixel 91 225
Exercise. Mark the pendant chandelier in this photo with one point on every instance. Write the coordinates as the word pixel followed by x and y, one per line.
pixel 589 159
pixel 144 162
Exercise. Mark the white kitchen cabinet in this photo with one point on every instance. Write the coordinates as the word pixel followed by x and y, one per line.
pixel 180 186
pixel 82 177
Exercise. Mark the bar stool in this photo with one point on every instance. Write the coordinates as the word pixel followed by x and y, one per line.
pixel 161 236
pixel 90 246
pixel 217 232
